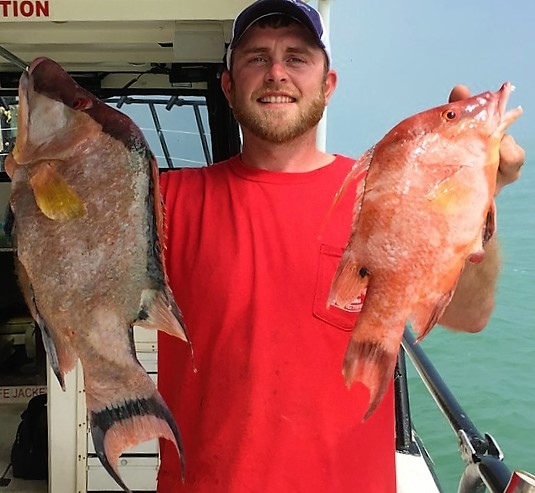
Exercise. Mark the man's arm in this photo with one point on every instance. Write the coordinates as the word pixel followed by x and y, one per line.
pixel 473 301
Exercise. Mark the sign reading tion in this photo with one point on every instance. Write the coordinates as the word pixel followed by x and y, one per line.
pixel 24 8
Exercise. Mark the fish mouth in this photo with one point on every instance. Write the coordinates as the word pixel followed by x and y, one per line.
pixel 506 116
pixel 23 115
pixel 26 90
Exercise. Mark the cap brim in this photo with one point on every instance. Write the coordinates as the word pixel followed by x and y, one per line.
pixel 259 10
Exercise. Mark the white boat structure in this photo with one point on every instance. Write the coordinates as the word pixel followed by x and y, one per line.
pixel 165 56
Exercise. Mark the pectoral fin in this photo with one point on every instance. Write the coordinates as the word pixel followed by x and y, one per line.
pixel 54 196
pixel 350 281
pixel 441 193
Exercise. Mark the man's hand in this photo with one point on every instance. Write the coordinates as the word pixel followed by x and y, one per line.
pixel 512 156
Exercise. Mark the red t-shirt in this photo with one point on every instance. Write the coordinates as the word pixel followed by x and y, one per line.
pixel 251 255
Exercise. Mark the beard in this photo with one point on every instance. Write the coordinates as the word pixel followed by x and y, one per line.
pixel 271 125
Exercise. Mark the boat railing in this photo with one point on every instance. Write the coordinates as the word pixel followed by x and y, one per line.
pixel 485 469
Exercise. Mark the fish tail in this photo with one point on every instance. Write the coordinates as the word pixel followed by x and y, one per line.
pixel 372 362
pixel 121 425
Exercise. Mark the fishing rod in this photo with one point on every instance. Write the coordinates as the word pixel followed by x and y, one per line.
pixel 14 59
pixel 481 453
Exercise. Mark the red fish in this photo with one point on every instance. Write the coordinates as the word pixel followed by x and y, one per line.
pixel 426 205
pixel 88 229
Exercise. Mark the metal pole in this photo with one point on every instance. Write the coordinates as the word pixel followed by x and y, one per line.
pixel 200 128
pixel 324 8
pixel 163 142
pixel 481 453
pixel 14 59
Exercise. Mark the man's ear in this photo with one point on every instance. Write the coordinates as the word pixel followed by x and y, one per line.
pixel 226 84
pixel 330 84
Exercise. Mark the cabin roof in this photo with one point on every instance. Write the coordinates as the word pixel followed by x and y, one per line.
pixel 118 35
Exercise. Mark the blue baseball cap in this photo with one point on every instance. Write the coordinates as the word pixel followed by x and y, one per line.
pixel 297 9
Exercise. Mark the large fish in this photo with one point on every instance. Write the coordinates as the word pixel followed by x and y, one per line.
pixel 425 206
pixel 88 229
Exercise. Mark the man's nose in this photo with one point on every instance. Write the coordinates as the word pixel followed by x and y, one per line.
pixel 276 72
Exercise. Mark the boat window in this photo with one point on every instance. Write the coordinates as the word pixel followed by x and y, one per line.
pixel 176 128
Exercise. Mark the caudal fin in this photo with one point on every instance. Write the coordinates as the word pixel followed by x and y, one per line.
pixel 372 364
pixel 122 425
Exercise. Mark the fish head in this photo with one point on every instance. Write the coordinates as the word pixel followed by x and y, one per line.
pixel 51 119
pixel 59 119
pixel 474 124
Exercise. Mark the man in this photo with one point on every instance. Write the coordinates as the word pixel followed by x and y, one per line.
pixel 263 406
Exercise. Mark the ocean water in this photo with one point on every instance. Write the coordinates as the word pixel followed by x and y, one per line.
pixel 492 373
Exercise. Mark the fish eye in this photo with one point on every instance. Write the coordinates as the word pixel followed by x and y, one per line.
pixel 449 115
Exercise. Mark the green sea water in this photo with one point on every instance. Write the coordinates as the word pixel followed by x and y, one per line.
pixel 492 373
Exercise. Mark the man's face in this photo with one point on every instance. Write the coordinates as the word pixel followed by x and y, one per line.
pixel 278 86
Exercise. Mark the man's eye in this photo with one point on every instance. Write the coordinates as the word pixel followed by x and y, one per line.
pixel 295 60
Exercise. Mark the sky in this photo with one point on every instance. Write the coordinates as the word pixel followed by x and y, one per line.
pixel 395 58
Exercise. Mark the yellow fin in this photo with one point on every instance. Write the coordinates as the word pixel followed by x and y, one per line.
pixel 54 196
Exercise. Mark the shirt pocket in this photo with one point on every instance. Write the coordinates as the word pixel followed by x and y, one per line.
pixel 341 318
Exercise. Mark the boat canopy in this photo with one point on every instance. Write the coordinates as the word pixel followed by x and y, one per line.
pixel 116 36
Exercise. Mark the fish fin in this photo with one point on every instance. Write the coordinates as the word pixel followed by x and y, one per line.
pixel 441 192
pixel 52 353
pixel 429 313
pixel 10 165
pixel 373 365
pixel 349 281
pixel 160 312
pixel 158 307
pixel 9 221
pixel 120 426
pixel 358 172
pixel 158 204
pixel 490 226
pixel 54 196
pixel 61 360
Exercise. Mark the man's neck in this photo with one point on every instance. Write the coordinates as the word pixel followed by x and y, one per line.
pixel 297 156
